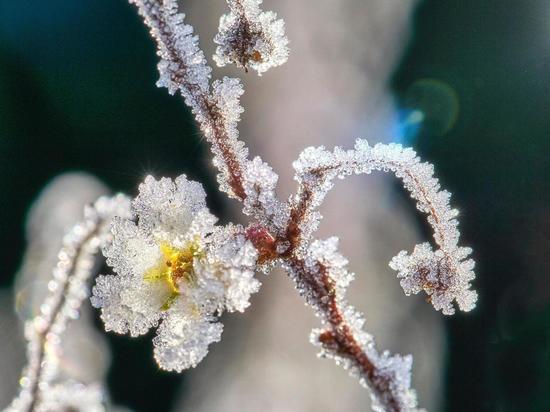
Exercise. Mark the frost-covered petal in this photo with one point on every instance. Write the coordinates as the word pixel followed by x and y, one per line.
pixel 168 205
pixel 113 294
pixel 202 225
pixel 231 262
pixel 182 341
pixel 132 251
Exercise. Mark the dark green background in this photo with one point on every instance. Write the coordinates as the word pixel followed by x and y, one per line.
pixel 76 94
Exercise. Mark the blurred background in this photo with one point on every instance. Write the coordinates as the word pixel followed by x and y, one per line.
pixel 463 81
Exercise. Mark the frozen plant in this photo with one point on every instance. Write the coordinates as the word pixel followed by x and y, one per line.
pixel 178 271
pixel 175 267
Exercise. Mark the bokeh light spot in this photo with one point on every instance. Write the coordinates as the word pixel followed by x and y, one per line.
pixel 433 104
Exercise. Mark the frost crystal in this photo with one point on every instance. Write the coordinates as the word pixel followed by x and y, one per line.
pixel 250 38
pixel 219 124
pixel 174 267
pixel 444 274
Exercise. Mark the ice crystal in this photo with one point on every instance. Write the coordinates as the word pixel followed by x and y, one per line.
pixel 174 267
pixel 444 274
pixel 250 38
pixel 41 388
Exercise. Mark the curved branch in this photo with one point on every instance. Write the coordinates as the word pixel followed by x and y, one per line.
pixel 444 274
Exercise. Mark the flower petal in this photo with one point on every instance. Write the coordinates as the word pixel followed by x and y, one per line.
pixel 111 294
pixel 168 205
pixel 182 341
pixel 131 251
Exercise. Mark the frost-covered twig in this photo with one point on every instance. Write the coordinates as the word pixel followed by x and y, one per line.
pixel 322 278
pixel 41 389
pixel 445 274
pixel 183 68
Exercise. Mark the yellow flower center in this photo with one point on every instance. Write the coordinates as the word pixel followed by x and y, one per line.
pixel 175 267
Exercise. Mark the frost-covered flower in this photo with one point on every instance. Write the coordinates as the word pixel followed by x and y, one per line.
pixel 174 267
pixel 251 38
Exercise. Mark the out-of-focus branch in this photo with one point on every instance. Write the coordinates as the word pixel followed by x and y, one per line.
pixel 67 290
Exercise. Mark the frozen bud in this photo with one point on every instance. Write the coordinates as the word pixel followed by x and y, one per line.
pixel 250 38
pixel 264 242
pixel 444 278
pixel 173 266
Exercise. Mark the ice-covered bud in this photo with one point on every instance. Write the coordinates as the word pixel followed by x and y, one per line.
pixel 435 273
pixel 250 38
pixel 173 266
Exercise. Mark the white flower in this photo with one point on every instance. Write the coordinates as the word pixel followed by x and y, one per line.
pixel 251 38
pixel 174 266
